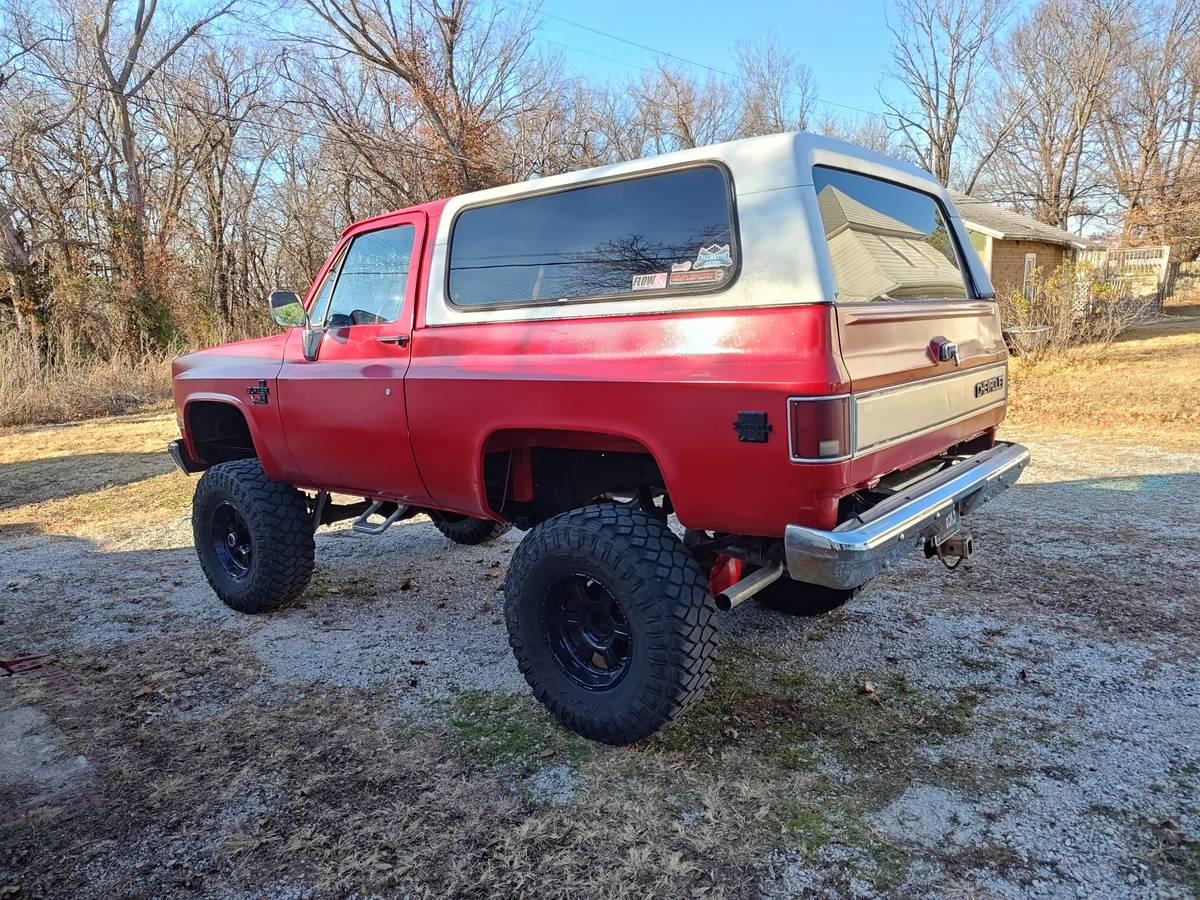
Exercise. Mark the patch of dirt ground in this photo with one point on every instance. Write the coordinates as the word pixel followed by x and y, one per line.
pixel 1030 726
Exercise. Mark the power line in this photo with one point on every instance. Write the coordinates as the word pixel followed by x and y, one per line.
pixel 665 53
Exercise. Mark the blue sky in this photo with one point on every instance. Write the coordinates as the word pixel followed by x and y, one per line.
pixel 844 42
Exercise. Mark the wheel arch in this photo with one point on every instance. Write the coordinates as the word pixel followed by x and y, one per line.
pixel 216 427
pixel 517 446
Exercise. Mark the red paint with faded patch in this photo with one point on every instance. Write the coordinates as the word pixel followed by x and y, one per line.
pixel 412 423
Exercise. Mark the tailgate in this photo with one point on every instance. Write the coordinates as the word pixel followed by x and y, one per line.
pixel 920 343
pixel 902 391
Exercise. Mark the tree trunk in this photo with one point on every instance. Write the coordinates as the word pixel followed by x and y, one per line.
pixel 133 234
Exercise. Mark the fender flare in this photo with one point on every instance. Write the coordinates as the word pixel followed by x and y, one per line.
pixel 262 448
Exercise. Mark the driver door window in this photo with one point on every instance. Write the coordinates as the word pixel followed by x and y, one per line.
pixel 370 284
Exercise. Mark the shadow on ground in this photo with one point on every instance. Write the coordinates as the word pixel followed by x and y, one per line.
pixel 58 477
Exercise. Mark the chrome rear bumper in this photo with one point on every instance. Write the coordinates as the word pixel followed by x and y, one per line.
pixel 857 550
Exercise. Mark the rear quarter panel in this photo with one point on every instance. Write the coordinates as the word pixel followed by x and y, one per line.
pixel 674 383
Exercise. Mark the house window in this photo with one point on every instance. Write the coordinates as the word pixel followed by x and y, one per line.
pixel 1027 282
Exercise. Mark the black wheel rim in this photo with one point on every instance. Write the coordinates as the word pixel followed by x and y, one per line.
pixel 587 631
pixel 231 541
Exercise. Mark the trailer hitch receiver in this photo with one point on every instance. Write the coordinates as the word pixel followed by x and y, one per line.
pixel 953 548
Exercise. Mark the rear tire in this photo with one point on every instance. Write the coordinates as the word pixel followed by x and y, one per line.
pixel 465 530
pixel 611 622
pixel 799 598
pixel 254 536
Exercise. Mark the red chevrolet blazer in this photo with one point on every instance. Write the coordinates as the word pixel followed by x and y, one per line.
pixel 786 343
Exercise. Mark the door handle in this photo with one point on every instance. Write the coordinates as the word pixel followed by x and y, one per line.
pixel 400 340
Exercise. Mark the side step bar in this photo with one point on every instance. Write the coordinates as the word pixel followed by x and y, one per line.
pixel 364 525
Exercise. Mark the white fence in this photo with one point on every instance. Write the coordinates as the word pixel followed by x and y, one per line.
pixel 1141 272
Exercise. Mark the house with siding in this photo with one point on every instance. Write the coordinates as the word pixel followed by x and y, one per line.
pixel 1013 245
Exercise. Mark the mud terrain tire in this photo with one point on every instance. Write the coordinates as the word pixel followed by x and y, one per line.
pixel 465 530
pixel 616 574
pixel 254 536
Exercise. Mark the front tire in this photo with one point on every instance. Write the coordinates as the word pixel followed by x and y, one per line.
pixel 611 622
pixel 465 530
pixel 254 536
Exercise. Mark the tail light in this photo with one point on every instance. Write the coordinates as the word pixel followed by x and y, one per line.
pixel 819 429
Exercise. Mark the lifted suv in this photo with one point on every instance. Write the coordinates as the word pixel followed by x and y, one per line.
pixel 788 343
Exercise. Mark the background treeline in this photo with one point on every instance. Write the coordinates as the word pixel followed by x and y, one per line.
pixel 163 168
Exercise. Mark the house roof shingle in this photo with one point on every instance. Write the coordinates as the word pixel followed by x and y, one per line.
pixel 1005 224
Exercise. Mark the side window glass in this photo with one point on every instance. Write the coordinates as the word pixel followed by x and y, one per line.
pixel 671 233
pixel 370 286
pixel 886 241
pixel 320 305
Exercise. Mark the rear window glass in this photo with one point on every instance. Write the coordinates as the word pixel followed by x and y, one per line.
pixel 887 242
pixel 670 232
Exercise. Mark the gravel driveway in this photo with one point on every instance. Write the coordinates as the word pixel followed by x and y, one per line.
pixel 1027 725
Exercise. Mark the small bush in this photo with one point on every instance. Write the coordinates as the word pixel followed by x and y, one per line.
pixel 1083 311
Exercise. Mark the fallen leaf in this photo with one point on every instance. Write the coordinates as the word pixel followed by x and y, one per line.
pixel 867 689
pixel 546 754
pixel 1169 833
pixel 143 691
pixel 729 733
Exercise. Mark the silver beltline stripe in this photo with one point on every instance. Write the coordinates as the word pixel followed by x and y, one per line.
pixel 885 416
pixel 888 415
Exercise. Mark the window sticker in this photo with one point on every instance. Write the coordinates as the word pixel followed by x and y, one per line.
pixel 681 266
pixel 650 282
pixel 698 276
pixel 714 256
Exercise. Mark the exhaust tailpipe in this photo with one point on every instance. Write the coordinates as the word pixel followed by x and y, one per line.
pixel 749 586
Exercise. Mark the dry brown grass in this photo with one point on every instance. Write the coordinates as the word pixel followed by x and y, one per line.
pixel 1148 388
pixel 102 479
pixel 72 386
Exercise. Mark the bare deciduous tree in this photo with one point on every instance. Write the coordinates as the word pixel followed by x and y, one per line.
pixel 119 53
pixel 940 52
pixel 465 70
pixel 678 111
pixel 1056 67
pixel 1150 127
pixel 777 90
